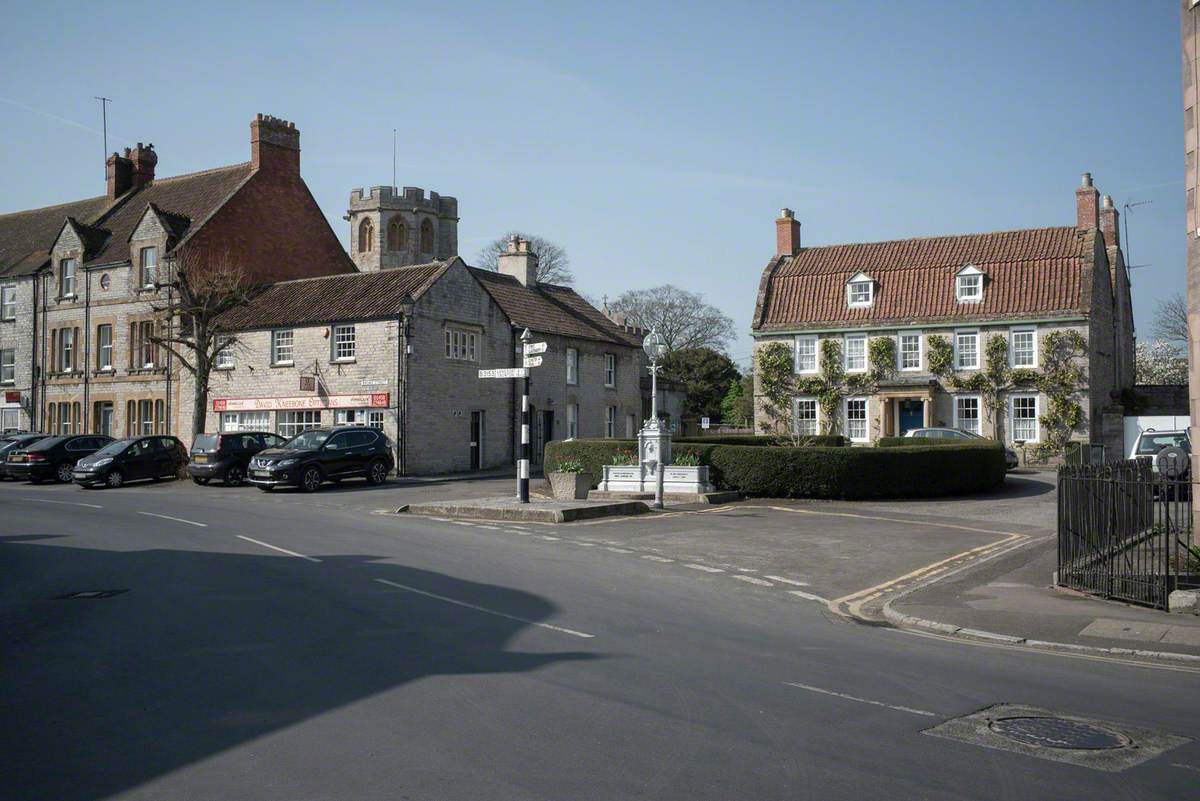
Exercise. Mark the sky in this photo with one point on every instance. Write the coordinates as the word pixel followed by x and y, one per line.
pixel 655 142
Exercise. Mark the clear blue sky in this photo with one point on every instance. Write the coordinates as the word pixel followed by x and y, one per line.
pixel 656 144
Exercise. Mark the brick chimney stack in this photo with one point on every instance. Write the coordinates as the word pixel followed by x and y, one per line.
pixel 143 159
pixel 787 233
pixel 519 261
pixel 1110 220
pixel 119 170
pixel 1087 205
pixel 274 145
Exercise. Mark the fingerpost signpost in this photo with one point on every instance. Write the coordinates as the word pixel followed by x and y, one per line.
pixel 530 357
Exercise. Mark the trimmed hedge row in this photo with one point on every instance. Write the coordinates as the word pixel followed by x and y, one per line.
pixel 904 442
pixel 814 472
pixel 821 440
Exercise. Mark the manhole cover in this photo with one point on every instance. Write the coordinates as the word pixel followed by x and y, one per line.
pixel 87 595
pixel 1058 733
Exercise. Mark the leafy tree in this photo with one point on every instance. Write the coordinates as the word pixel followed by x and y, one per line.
pixel 1160 363
pixel 737 407
pixel 683 319
pixel 706 374
pixel 554 267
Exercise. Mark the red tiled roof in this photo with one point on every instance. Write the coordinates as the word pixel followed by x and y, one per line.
pixel 1039 271
pixel 333 298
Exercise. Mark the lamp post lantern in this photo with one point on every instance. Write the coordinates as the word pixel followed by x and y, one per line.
pixel 655 347
pixel 655 443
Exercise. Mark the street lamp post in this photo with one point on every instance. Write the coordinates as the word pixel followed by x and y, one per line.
pixel 655 443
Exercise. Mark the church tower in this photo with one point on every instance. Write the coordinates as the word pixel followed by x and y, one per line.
pixel 390 229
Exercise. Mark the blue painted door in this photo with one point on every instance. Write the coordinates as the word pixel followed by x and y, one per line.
pixel 912 415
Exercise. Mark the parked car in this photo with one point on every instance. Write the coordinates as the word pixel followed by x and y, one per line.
pixel 1151 443
pixel 52 458
pixel 1010 456
pixel 130 460
pixel 12 442
pixel 227 456
pixel 318 455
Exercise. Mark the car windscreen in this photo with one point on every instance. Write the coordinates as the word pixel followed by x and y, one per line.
pixel 307 441
pixel 113 448
pixel 205 442
pixel 46 444
pixel 1151 444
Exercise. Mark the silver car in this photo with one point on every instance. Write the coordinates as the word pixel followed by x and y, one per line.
pixel 1010 456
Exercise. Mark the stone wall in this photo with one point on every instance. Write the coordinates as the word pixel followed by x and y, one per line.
pixel 17 335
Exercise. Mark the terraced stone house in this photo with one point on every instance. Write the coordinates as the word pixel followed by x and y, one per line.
pixel 964 291
pixel 86 286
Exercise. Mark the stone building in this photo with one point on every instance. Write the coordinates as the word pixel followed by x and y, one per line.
pixel 1021 285
pixel 91 280
pixel 400 349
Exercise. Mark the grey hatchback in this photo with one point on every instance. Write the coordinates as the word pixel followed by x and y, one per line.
pixel 1010 456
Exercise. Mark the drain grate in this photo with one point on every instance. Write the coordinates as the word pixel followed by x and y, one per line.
pixel 1046 734
pixel 87 595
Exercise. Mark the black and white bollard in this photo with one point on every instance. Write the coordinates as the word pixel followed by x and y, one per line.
pixel 523 463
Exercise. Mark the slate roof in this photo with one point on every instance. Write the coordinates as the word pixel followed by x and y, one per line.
pixel 1030 272
pixel 184 201
pixel 551 309
pixel 27 236
pixel 332 298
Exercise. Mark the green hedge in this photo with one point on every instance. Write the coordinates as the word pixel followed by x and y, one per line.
pixel 905 471
pixel 905 442
pixel 822 440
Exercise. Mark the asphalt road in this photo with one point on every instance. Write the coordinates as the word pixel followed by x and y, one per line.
pixel 306 647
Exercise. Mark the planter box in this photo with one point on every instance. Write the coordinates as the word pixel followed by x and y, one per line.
pixel 570 486
pixel 640 478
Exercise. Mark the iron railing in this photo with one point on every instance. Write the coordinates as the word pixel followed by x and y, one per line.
pixel 1125 531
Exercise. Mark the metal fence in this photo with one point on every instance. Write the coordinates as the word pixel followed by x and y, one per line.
pixel 1125 531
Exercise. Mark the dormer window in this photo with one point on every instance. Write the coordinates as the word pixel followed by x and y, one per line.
pixel 148 267
pixel 67 279
pixel 968 285
pixel 860 291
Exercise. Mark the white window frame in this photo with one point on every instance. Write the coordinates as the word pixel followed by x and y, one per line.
pixel 67 285
pixel 958 363
pixel 337 340
pixel 277 347
pixel 573 366
pixel 225 359
pixel 245 421
pixel 846 352
pixel 104 352
pixel 900 351
pixel 968 276
pixel 66 352
pixel 572 421
pixel 799 367
pixel 462 345
pixel 866 419
pixel 147 268
pixel 8 302
pixel 10 417
pixel 610 370
pixel 1012 345
pixel 978 413
pixel 816 418
pixel 297 421
pixel 8 369
pixel 610 422
pixel 1012 417
pixel 148 351
pixel 852 288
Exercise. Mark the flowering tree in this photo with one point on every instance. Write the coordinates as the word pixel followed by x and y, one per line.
pixel 1160 362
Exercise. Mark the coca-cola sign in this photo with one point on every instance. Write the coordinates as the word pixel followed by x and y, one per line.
pixel 373 400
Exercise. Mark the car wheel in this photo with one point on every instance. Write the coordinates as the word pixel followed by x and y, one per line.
pixel 63 473
pixel 234 476
pixel 114 479
pixel 377 472
pixel 311 480
pixel 199 480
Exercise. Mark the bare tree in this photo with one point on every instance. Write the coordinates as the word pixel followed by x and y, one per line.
pixel 1171 321
pixel 204 288
pixel 683 318
pixel 554 267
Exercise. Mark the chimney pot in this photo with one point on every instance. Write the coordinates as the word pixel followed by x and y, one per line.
pixel 1087 205
pixel 1086 180
pixel 787 233
pixel 143 158
pixel 118 171
pixel 1109 219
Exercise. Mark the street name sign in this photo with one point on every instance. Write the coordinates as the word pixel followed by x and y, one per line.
pixel 533 361
pixel 506 372
pixel 534 348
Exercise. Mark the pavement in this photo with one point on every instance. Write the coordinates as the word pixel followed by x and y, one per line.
pixel 536 509
pixel 173 641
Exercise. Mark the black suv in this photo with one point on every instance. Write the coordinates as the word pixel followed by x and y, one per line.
pixel 14 442
pixel 227 456
pixel 131 459
pixel 52 458
pixel 313 457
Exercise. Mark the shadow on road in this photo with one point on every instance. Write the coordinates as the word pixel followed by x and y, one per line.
pixel 206 651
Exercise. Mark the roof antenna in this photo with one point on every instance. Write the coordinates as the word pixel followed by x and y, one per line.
pixel 393 158
pixel 104 101
pixel 1128 252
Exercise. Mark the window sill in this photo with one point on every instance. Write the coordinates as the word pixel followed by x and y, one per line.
pixel 12 383
pixel 66 298
pixel 343 361
pixel 103 371
pixel 283 364
pixel 8 319
pixel 142 290
pixel 225 368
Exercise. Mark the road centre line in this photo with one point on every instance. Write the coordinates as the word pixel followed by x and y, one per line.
pixel 784 580
pixel 277 548
pixel 65 503
pixel 836 694
pixel 485 610
pixel 754 580
pixel 654 558
pixel 705 568
pixel 176 519
pixel 808 596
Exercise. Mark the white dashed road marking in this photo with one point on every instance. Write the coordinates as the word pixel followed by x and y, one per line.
pixel 277 548
pixel 705 568
pixel 618 550
pixel 548 538
pixel 754 580
pixel 65 503
pixel 654 558
pixel 176 519
pixel 485 610
pixel 836 694
pixel 793 582
pixel 808 596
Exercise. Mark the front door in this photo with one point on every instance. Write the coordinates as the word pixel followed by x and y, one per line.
pixel 911 415
pixel 547 429
pixel 476 440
